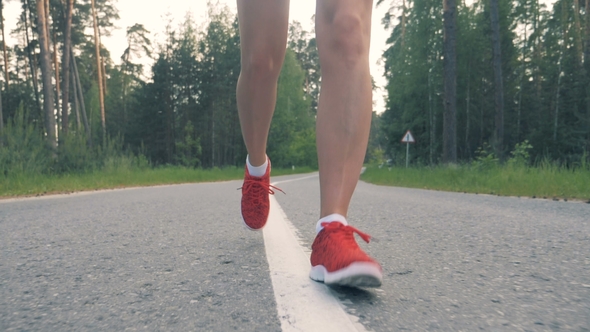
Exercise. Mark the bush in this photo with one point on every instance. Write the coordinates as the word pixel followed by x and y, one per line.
pixel 520 154
pixel 74 155
pixel 189 150
pixel 25 152
pixel 24 149
pixel 485 158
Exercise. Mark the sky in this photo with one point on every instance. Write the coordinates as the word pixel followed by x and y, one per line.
pixel 152 14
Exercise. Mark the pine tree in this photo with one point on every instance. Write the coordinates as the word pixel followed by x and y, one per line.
pixel 450 82
pixel 498 80
pixel 48 93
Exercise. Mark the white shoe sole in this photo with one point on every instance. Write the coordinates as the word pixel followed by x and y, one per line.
pixel 360 274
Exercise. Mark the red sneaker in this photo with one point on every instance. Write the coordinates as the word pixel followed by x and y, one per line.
pixel 255 203
pixel 336 258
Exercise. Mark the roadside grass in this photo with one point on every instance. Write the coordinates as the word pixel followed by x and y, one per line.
pixel 121 177
pixel 544 181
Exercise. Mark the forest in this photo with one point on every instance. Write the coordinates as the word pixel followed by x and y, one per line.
pixel 519 77
pixel 470 80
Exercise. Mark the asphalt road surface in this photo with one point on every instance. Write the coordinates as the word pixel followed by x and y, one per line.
pixel 177 258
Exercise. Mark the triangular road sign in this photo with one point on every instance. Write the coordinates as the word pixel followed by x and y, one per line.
pixel 408 138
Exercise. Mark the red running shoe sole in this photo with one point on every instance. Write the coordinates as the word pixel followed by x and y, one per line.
pixel 357 274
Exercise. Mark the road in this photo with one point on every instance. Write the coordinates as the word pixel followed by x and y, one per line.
pixel 176 258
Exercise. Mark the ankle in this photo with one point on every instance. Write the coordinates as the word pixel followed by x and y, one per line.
pixel 256 159
pixel 257 171
pixel 335 217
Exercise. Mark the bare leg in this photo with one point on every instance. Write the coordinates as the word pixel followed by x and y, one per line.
pixel 343 29
pixel 263 38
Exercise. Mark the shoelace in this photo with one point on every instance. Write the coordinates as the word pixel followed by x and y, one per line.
pixel 348 230
pixel 258 187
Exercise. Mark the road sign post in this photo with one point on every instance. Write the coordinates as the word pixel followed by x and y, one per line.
pixel 408 138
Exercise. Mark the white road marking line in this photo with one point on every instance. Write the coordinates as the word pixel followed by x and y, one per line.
pixel 302 304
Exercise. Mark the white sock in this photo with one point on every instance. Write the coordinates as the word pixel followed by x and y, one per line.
pixel 257 171
pixel 333 217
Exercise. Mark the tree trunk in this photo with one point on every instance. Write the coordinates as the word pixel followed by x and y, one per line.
pixel 47 18
pixel 57 84
pixel 125 68
pixel 557 93
pixel 213 131
pixel 55 69
pixel 32 61
pixel 103 67
pixel 26 65
pixel 537 59
pixel 75 103
pixel 587 72
pixel 498 81
pixel 467 112
pixel 65 97
pixel 46 75
pixel 99 73
pixel 578 33
pixel 81 98
pixel 6 75
pixel 431 118
pixel 560 61
pixel 169 129
pixel 520 93
pixel 124 102
pixel 450 82
pixel 483 93
pixel 1 119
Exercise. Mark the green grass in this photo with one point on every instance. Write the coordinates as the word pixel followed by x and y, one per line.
pixel 41 184
pixel 546 181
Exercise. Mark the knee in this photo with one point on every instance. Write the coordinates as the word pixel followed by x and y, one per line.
pixel 347 39
pixel 262 64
